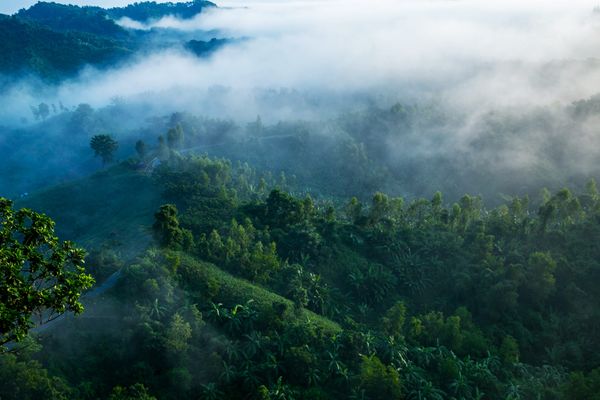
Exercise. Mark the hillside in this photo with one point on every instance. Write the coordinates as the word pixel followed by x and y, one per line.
pixel 34 49
pixel 419 294
pixel 80 209
pixel 54 41
pixel 300 201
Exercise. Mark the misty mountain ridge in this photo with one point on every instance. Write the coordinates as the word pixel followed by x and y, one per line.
pixel 54 41
pixel 73 17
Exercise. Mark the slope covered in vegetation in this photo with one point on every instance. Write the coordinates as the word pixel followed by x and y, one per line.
pixel 251 292
pixel 54 41
pixel 328 251
pixel 50 54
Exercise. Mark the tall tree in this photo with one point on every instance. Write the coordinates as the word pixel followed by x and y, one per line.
pixel 167 231
pixel 105 147
pixel 175 137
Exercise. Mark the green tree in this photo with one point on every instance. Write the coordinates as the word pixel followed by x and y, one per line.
pixel 509 350
pixel 39 275
pixel 167 231
pixel 540 280
pixel 379 208
pixel 105 147
pixel 378 380
pixel 580 386
pixel 175 137
pixel 353 210
pixel 178 334
pixel 27 380
pixel 394 319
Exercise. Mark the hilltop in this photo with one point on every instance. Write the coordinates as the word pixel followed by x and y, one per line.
pixel 54 41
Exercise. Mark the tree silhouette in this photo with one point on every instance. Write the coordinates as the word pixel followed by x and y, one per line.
pixel 105 147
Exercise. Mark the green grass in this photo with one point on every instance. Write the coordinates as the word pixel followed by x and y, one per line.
pixel 114 205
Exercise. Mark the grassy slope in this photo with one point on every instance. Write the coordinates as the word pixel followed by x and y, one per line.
pixel 116 205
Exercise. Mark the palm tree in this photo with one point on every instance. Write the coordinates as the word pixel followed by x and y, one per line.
pixel 478 395
pixel 156 310
pixel 253 344
pixel 280 343
pixel 233 351
pixel 313 376
pixel 104 146
pixel 271 366
pixel 250 379
pixel 335 364
pixel 368 341
pixel 429 392
pixel 211 392
pixel 229 373
pixel 216 311
pixel 513 392
pixel 280 391
pixel 460 386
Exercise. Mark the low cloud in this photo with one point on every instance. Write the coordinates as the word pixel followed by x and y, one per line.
pixel 471 51
pixel 314 59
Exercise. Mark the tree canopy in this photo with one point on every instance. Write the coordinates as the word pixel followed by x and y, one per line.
pixel 40 276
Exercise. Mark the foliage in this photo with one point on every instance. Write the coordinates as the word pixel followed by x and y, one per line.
pixel 27 380
pixel 278 295
pixel 53 55
pixel 61 17
pixel 166 229
pixel 41 276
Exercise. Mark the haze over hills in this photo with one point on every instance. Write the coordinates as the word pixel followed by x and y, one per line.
pixel 300 200
pixel 55 41
pixel 450 121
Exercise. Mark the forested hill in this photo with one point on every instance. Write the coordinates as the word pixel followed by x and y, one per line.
pixel 102 21
pixel 249 292
pixel 54 41
pixel 146 11
pixel 67 18
pixel 52 55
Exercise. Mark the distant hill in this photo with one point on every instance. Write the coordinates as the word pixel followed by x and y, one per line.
pixel 205 48
pixel 150 10
pixel 32 48
pixel 54 41
pixel 65 18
